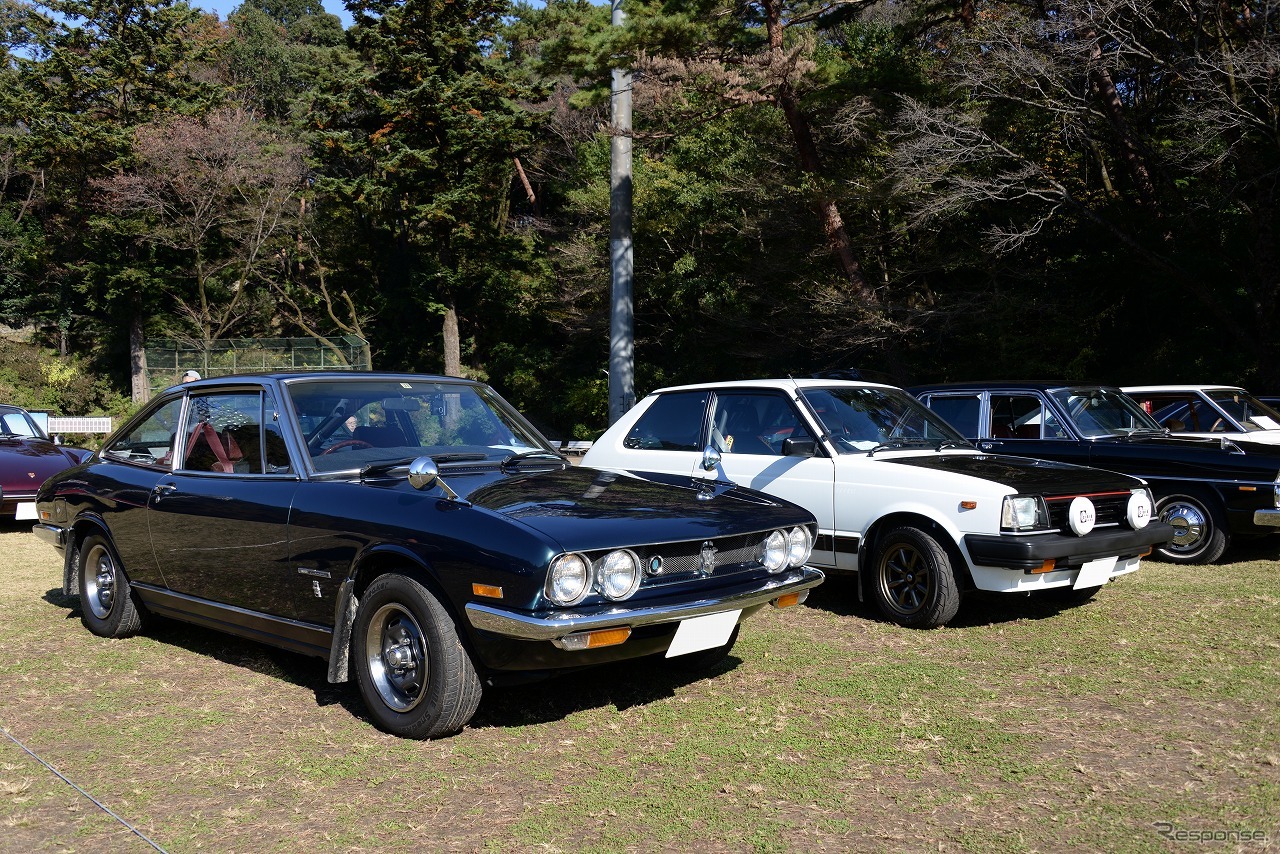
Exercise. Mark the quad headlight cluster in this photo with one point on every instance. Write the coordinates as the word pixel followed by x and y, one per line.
pixel 617 575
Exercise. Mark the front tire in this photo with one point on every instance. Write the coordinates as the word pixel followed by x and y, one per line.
pixel 912 581
pixel 1199 535
pixel 416 678
pixel 106 597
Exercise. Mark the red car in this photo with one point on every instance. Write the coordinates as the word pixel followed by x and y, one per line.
pixel 27 459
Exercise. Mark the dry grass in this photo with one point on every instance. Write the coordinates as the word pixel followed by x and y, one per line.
pixel 1018 728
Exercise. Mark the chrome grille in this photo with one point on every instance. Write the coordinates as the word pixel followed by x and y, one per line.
pixel 680 560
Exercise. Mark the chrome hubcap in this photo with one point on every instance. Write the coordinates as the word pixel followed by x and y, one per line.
pixel 100 582
pixel 1189 525
pixel 397 657
pixel 905 579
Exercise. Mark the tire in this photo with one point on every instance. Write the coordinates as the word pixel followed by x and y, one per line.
pixel 107 605
pixel 1200 536
pixel 704 659
pixel 912 580
pixel 416 678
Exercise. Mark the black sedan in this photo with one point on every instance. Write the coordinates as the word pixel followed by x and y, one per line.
pixel 27 458
pixel 1208 489
pixel 413 529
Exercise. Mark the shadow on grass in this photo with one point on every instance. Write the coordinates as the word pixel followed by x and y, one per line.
pixel 839 595
pixel 620 684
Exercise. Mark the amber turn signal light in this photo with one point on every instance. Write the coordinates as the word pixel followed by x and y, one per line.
pixel 593 640
pixel 790 599
pixel 968 505
pixel 490 590
pixel 1047 566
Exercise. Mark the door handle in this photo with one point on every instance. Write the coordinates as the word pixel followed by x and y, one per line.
pixel 163 489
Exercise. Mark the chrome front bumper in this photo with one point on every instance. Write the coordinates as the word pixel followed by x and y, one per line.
pixel 51 534
pixel 561 623
pixel 1267 518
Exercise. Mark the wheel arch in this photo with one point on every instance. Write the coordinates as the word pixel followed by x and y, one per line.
pixel 80 530
pixel 368 565
pixel 943 535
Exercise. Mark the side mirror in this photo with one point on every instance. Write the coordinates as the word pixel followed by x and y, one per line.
pixel 710 458
pixel 423 474
pixel 799 447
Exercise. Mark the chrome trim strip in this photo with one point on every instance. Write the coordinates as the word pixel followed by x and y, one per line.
pixel 1269 518
pixel 528 627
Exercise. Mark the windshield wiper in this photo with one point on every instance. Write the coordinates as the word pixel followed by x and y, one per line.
pixel 457 457
pixel 1143 432
pixel 515 459
pixel 384 467
pixel 954 443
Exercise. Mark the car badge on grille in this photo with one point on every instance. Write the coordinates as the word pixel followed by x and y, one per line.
pixel 655 565
pixel 707 558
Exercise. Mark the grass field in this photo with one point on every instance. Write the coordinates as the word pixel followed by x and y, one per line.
pixel 1146 720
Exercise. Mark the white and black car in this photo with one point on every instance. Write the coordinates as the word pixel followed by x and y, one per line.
pixel 896 491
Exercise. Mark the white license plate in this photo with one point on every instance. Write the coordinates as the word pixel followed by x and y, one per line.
pixel 1095 573
pixel 699 633
pixel 25 510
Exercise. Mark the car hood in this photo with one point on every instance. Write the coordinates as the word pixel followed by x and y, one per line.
pixel 583 508
pixel 1022 474
pixel 26 463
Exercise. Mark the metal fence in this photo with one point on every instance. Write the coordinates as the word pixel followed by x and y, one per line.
pixel 168 360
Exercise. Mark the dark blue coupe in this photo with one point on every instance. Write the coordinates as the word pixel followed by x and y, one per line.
pixel 414 531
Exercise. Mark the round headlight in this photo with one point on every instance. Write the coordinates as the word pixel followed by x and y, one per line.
pixel 798 546
pixel 775 552
pixel 618 575
pixel 569 580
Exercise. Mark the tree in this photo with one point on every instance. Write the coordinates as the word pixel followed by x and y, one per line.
pixel 418 144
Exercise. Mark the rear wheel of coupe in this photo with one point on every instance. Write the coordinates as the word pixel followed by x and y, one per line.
pixel 416 678
pixel 1198 534
pixel 912 580
pixel 106 598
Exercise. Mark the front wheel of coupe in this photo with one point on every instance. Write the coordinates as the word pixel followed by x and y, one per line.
pixel 912 580
pixel 1198 534
pixel 416 678
pixel 106 598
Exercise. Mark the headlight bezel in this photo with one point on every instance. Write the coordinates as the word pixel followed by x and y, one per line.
pixel 806 549
pixel 599 571
pixel 561 561
pixel 775 543
pixel 1016 509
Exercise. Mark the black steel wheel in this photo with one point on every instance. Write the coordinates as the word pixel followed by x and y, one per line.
pixel 416 678
pixel 912 580
pixel 1199 536
pixel 106 598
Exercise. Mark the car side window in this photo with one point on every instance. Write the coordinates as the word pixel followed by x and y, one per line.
pixel 1023 416
pixel 744 423
pixel 960 411
pixel 672 423
pixel 223 433
pixel 151 443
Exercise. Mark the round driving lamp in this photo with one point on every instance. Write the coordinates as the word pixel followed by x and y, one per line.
pixel 798 546
pixel 775 552
pixel 618 575
pixel 569 580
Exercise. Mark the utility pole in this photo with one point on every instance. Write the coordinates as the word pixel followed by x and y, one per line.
pixel 622 390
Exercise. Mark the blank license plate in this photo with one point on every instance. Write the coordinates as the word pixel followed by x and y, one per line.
pixel 1095 573
pixel 699 633
pixel 25 510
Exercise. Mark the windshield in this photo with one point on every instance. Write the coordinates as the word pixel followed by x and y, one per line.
pixel 18 424
pixel 1104 412
pixel 349 424
pixel 863 419
pixel 1247 410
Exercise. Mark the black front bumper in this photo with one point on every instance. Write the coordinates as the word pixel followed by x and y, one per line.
pixel 1030 552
